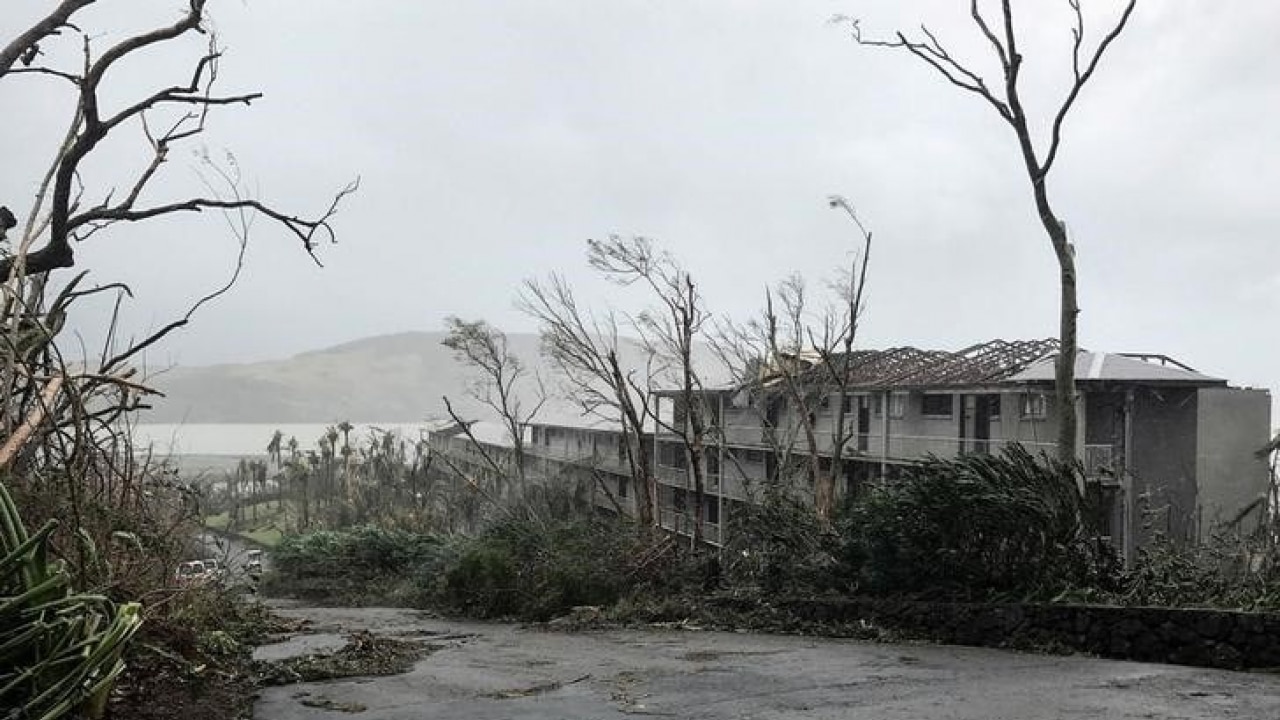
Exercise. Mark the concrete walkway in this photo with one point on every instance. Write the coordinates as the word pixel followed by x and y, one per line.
pixel 501 671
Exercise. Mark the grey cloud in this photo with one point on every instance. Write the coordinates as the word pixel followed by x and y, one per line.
pixel 494 137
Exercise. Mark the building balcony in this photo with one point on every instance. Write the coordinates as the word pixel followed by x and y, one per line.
pixel 1102 460
pixel 679 477
pixel 681 524
pixel 1096 458
pixel 607 462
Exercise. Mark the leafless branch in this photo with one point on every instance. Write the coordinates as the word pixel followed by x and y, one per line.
pixel 22 45
pixel 1080 78
pixel 932 52
pixel 65 222
pixel 50 72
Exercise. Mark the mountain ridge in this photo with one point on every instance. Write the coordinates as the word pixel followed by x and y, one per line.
pixel 393 378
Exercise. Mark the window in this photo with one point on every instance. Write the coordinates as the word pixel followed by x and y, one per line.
pixel 936 405
pixel 993 406
pixel 622 487
pixel 825 402
pixel 1035 405
pixel 754 456
pixel 713 510
pixel 848 402
pixel 671 455
pixel 897 405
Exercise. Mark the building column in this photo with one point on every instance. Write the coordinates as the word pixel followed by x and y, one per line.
pixel 884 432
pixel 1127 540
pixel 1082 424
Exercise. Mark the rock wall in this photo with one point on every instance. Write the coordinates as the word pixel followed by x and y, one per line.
pixel 1208 638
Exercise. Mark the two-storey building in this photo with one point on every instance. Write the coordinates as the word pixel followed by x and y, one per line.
pixel 1164 446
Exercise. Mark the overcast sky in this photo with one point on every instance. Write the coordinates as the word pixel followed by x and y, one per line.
pixel 493 137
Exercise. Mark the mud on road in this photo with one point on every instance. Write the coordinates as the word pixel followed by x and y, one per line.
pixel 497 671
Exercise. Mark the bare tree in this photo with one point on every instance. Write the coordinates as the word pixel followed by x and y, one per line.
pixel 503 379
pixel 1005 97
pixel 584 349
pixel 792 355
pixel 63 211
pixel 669 333
pixel 66 421
pixel 769 363
pixel 834 344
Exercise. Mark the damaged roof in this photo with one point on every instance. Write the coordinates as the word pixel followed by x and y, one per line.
pixel 988 363
pixel 981 364
pixel 1119 367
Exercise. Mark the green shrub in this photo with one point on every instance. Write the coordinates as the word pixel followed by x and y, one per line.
pixel 519 567
pixel 1004 526
pixel 1230 570
pixel 778 546
pixel 60 651
pixel 525 568
pixel 483 582
pixel 357 565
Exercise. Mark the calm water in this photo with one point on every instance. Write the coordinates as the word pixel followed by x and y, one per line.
pixel 243 439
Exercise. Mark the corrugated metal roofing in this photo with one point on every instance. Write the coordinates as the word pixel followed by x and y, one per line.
pixel 1101 367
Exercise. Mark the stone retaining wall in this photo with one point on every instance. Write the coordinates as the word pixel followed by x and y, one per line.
pixel 1208 638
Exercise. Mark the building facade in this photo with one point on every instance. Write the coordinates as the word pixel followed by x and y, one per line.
pixel 1165 448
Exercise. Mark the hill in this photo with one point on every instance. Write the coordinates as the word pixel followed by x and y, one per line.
pixel 388 378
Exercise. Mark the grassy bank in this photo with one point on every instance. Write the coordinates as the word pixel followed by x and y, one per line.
pixel 263 523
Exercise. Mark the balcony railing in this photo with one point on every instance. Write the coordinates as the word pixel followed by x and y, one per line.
pixel 679 477
pixel 581 458
pixel 1097 458
pixel 681 524
pixel 1101 459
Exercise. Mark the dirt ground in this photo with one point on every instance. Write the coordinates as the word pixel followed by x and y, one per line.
pixel 483 671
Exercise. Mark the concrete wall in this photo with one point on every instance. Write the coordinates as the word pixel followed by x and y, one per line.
pixel 1036 433
pixel 742 469
pixel 1232 425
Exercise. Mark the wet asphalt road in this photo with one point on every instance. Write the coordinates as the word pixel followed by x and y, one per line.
pixel 230 551
pixel 503 671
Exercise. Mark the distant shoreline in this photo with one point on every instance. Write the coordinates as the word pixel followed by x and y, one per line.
pixel 248 440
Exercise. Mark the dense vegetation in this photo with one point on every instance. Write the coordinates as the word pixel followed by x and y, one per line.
pixel 1009 525
pixel 984 528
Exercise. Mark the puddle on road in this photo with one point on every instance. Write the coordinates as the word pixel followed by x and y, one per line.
pixel 300 646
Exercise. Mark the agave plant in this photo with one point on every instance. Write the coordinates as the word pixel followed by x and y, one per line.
pixel 60 650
